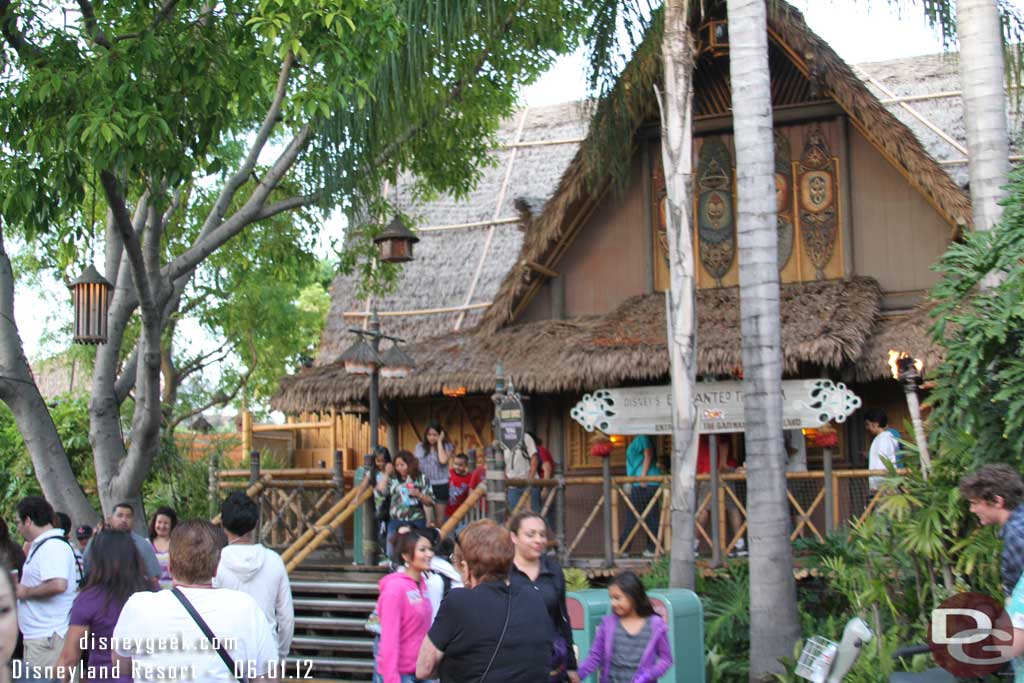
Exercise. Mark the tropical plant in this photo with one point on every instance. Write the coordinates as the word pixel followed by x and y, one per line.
pixel 576 579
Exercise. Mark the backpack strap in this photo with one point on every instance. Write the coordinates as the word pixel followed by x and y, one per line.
pixel 78 564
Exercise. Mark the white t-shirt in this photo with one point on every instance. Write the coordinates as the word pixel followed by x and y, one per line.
pixel 883 449
pixel 42 617
pixel 164 642
pixel 435 584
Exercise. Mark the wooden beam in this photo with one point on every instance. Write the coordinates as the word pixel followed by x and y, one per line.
pixel 543 270
pixel 422 311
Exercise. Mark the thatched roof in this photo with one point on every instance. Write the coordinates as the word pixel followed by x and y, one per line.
pixel 931 106
pixel 906 331
pixel 446 260
pixel 823 323
pixel 553 188
pixel 61 374
pixel 810 54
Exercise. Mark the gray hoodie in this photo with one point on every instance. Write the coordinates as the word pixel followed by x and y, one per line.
pixel 259 571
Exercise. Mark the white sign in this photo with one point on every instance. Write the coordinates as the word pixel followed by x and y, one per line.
pixel 718 407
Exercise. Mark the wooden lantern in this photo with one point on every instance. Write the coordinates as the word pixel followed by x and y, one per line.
pixel 360 358
pixel 395 243
pixel 90 295
pixel 396 363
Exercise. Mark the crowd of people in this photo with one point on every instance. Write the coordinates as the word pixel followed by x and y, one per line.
pixel 504 618
pixel 192 602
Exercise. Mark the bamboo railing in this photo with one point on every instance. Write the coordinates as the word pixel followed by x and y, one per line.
pixel 325 519
pixel 362 494
pixel 468 505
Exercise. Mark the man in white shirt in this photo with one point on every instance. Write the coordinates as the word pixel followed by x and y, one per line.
pixel 156 639
pixel 48 584
pixel 884 446
pixel 251 568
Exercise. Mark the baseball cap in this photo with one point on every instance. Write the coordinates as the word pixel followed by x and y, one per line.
pixel 84 531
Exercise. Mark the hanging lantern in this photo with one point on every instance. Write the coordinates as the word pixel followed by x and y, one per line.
pixel 395 243
pixel 360 358
pixel 90 295
pixel 396 363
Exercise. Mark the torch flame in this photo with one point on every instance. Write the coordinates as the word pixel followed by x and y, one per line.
pixel 895 356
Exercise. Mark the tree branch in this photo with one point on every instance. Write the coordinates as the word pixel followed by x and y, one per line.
pixel 161 16
pixel 91 25
pixel 289 204
pixel 217 400
pixel 15 37
pixel 132 245
pixel 236 181
pixel 216 238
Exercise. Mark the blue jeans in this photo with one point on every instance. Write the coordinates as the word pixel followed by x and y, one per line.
pixel 513 494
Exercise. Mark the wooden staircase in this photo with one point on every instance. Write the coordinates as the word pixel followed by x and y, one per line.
pixel 332 602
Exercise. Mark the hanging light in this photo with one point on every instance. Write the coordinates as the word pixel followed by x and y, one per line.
pixel 395 243
pixel 360 358
pixel 90 295
pixel 396 363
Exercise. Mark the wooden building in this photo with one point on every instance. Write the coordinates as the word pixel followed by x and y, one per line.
pixel 557 269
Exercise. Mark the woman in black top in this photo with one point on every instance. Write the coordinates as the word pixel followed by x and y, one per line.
pixel 491 631
pixel 534 570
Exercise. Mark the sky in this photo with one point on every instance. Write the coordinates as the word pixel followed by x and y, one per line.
pixel 859 30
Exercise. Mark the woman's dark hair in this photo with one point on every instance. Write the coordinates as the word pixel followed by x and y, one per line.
pixel 630 584
pixel 411 462
pixel 521 517
pixel 382 452
pixel 167 512
pixel 436 426
pixel 64 522
pixel 116 566
pixel 5 531
pixel 405 544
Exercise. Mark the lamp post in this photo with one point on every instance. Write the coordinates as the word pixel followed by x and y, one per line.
pixel 364 358
pixel 907 371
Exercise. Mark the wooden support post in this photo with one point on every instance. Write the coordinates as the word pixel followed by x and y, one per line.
pixel 334 431
pixel 497 498
pixel 254 476
pixel 616 549
pixel 830 490
pixel 213 475
pixel 369 515
pixel 606 486
pixel 717 518
pixel 557 444
pixel 338 477
pixel 246 432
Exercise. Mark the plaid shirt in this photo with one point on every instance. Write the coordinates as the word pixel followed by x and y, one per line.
pixel 1012 564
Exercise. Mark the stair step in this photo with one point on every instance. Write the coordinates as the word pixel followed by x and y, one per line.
pixel 336 587
pixel 331 623
pixel 330 643
pixel 339 604
pixel 322 664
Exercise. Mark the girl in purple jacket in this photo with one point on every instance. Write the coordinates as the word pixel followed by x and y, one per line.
pixel 631 645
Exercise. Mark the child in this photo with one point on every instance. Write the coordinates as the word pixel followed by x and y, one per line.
pixel 631 643
pixel 458 483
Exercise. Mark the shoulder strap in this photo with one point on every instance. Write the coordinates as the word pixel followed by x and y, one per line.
pixel 225 657
pixel 78 563
pixel 447 583
pixel 501 638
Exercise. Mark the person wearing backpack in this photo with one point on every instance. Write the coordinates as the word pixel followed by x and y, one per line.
pixel 47 586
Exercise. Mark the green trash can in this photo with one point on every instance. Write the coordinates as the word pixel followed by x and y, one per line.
pixel 586 609
pixel 683 613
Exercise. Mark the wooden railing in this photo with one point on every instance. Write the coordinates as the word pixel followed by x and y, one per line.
pixel 819 503
pixel 326 526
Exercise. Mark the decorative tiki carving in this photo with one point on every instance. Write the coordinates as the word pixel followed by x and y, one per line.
pixel 716 220
pixel 819 219
pixel 783 198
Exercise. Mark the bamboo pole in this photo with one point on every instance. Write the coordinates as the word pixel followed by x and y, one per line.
pixel 283 473
pixel 326 518
pixel 586 525
pixel 292 427
pixel 326 532
pixel 460 512
pixel 246 433
pixel 616 548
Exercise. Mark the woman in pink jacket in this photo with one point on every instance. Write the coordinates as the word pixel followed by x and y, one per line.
pixel 404 611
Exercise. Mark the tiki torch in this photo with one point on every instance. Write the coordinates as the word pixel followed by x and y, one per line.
pixel 907 370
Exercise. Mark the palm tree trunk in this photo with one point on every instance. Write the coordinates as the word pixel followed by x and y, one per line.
pixel 981 73
pixel 677 158
pixel 774 625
